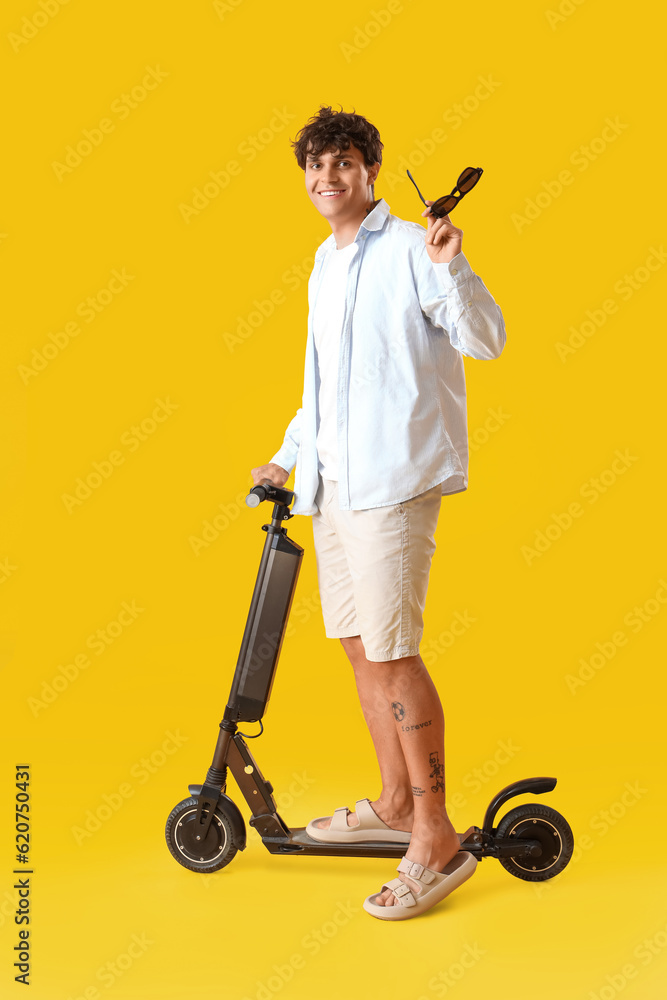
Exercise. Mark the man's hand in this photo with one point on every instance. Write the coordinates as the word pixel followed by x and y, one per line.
pixel 275 473
pixel 443 240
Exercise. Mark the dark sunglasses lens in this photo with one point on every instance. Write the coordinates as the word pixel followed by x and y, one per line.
pixel 443 206
pixel 467 180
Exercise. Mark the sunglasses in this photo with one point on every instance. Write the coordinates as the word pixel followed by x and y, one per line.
pixel 465 183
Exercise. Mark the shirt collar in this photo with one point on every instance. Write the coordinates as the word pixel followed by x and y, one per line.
pixel 374 221
pixel 377 218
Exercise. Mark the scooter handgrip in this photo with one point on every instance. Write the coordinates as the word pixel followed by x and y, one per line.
pixel 259 493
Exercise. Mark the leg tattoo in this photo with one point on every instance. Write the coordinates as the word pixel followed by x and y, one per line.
pixel 437 772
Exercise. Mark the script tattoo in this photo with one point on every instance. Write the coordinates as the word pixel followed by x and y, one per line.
pixel 420 725
pixel 437 772
pixel 418 791
pixel 399 711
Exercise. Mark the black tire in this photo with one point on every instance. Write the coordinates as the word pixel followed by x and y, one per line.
pixel 536 822
pixel 214 853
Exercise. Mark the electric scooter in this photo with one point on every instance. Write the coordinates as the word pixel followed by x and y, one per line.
pixel 205 831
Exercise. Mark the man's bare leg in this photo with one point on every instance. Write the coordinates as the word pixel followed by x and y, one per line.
pixel 420 726
pixel 395 806
pixel 402 692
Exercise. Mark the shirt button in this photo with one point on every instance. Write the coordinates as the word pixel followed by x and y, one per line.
pixel 455 271
pixel 470 303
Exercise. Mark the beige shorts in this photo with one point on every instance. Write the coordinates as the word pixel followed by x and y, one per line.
pixel 373 568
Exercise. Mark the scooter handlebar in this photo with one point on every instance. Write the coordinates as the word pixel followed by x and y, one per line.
pixel 266 490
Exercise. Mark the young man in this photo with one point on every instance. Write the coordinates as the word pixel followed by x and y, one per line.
pixel 380 437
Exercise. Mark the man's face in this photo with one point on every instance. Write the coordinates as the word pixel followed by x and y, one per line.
pixel 346 178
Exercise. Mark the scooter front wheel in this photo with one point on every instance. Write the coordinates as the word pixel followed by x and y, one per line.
pixel 208 855
pixel 542 823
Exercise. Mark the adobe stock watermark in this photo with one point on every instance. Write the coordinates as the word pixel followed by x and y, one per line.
pixel 605 651
pixel 141 771
pixel 302 611
pixel 115 968
pixel 600 824
pixel 562 13
pixel 624 288
pixel 495 419
pixel 98 642
pixel 645 951
pixel 224 7
pixel 131 440
pixel 591 491
pixel 309 604
pixel 32 24
pixel 375 368
pixel 365 33
pixel 248 150
pixel 445 980
pixel 121 107
pixel 454 117
pixel 300 783
pixel 88 310
pixel 7 569
pixel 311 944
pixel 479 777
pixel 581 158
pixel 214 526
pixel 430 651
pixel 262 309
pixel 433 649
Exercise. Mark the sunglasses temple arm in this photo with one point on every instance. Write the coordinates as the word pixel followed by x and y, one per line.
pixel 418 191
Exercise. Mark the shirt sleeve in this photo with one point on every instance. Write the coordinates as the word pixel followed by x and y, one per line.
pixel 285 457
pixel 456 299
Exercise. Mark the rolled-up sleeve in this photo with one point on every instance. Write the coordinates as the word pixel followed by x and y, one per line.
pixel 286 456
pixel 456 299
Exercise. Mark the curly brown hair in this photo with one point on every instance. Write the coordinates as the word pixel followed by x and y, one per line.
pixel 337 131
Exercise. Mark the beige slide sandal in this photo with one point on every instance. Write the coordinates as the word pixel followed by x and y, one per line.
pixel 370 828
pixel 433 887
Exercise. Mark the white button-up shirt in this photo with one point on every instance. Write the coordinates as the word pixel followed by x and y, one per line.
pixel 401 395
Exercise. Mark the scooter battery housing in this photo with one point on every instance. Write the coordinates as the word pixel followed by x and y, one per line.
pixel 265 628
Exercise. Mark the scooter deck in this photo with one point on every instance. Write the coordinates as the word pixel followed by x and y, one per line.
pixel 299 842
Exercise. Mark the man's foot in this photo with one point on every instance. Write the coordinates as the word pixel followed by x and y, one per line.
pixel 434 887
pixel 396 820
pixel 430 854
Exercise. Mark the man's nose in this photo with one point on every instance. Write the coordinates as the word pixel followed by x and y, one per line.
pixel 329 175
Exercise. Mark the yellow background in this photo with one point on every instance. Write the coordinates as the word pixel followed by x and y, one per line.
pixel 219 76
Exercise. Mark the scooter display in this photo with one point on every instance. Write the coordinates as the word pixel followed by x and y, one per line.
pixel 206 830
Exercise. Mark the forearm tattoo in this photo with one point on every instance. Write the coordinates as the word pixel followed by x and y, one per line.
pixel 418 791
pixel 399 711
pixel 437 772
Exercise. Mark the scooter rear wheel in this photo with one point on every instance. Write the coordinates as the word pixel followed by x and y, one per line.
pixel 537 822
pixel 209 855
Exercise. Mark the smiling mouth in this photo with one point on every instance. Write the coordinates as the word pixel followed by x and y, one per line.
pixel 332 192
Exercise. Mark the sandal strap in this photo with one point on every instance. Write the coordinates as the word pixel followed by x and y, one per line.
pixel 339 819
pixel 414 870
pixel 402 892
pixel 367 816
